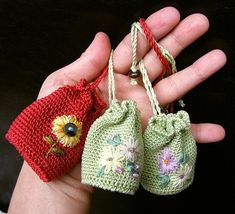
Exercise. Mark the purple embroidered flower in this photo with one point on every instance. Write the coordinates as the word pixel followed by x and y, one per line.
pixel 168 162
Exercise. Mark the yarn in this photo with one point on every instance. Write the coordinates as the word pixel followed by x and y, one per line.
pixel 50 133
pixel 169 148
pixel 167 60
pixel 113 153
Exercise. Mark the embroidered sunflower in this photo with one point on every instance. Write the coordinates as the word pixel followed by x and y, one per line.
pixel 67 129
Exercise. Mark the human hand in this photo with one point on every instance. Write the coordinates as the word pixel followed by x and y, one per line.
pixel 174 35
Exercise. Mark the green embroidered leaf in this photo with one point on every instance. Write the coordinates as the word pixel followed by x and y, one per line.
pixel 115 140
pixel 101 171
pixel 163 179
pixel 57 151
pixel 184 158
pixel 130 166
pixel 48 139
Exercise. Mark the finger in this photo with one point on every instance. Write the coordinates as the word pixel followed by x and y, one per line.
pixel 186 32
pixel 181 82
pixel 207 132
pixel 91 63
pixel 88 66
pixel 160 23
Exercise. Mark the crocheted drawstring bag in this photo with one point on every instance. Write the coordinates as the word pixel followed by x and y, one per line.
pixel 50 133
pixel 113 153
pixel 170 150
pixel 168 137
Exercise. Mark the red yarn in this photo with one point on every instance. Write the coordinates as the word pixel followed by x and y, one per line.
pixel 154 46
pixel 28 129
pixel 166 65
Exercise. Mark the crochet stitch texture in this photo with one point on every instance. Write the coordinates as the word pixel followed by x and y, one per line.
pixel 170 154
pixel 101 152
pixel 33 135
pixel 113 153
pixel 170 149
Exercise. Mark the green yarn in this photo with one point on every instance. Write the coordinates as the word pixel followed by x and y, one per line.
pixel 114 152
pixel 170 150
pixel 122 172
pixel 137 27
pixel 170 153
pixel 134 41
pixel 117 157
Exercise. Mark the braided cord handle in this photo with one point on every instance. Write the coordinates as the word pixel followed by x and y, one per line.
pixel 167 60
pixel 149 89
pixel 164 56
pixel 111 81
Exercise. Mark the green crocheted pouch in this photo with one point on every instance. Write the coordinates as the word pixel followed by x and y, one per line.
pixel 170 150
pixel 113 154
pixel 170 154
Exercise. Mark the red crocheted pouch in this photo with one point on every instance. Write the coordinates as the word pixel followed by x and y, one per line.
pixel 50 133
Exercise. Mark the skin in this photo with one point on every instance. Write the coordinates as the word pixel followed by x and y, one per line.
pixel 67 194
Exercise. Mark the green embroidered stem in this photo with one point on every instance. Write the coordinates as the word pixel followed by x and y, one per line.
pixel 148 86
pixel 53 148
pixel 54 145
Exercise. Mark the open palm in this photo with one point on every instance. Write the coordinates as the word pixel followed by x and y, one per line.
pixel 174 35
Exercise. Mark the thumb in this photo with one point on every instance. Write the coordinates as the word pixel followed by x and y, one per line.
pixel 89 66
pixel 91 63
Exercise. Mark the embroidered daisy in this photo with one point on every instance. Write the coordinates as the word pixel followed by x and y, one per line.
pixel 111 159
pixel 129 149
pixel 168 162
pixel 181 176
pixel 67 129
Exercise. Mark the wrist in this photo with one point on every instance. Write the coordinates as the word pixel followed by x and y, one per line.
pixel 65 195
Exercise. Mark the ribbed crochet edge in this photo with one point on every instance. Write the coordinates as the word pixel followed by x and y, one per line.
pixel 166 192
pixel 113 185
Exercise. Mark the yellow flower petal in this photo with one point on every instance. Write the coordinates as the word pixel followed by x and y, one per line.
pixel 58 130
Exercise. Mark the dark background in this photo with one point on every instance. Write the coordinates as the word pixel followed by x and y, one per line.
pixel 38 37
